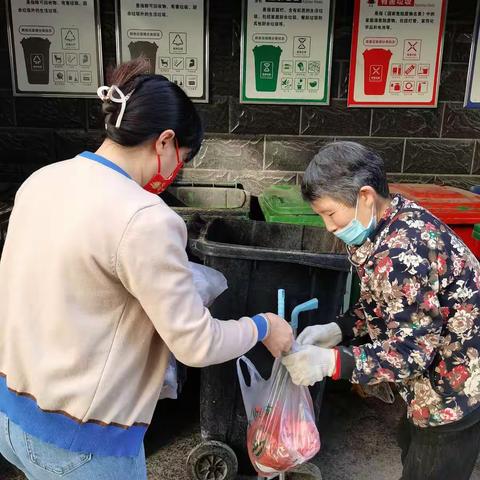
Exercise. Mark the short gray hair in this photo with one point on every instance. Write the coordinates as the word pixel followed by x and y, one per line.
pixel 340 169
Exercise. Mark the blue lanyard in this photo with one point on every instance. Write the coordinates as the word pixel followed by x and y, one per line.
pixel 104 161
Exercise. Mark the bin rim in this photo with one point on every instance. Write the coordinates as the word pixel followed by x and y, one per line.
pixel 203 248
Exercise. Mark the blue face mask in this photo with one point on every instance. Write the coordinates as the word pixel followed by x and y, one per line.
pixel 355 233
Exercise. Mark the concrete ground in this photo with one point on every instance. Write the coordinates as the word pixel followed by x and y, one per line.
pixel 358 439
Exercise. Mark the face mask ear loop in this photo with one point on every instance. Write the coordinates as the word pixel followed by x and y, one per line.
pixel 356 206
pixel 176 151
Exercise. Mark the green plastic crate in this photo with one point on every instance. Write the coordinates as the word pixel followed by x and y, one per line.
pixel 476 231
pixel 284 204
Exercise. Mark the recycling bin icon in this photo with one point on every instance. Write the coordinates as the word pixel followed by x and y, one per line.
pixel 376 66
pixel 267 61
pixel 144 49
pixel 36 51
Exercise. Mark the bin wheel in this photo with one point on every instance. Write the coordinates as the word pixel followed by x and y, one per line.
pixel 212 460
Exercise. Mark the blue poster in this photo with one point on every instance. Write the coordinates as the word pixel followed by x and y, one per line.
pixel 472 96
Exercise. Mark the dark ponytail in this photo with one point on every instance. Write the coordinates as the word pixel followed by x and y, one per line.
pixel 155 105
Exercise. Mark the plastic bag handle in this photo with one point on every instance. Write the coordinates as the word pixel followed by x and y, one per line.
pixel 255 377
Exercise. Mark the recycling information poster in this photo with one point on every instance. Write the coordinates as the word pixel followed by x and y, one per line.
pixel 55 47
pixel 396 52
pixel 286 51
pixel 472 96
pixel 172 36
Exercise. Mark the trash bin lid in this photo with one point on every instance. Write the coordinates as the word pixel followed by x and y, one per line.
pixel 211 197
pixel 284 203
pixel 453 206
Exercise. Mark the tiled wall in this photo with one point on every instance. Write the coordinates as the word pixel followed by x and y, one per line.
pixel 259 144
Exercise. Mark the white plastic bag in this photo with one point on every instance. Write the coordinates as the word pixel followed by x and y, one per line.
pixel 209 282
pixel 281 430
pixel 170 384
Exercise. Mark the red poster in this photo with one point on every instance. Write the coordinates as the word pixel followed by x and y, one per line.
pixel 396 53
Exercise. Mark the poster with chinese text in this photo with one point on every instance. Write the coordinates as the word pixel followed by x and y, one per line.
pixel 396 53
pixel 55 47
pixel 286 51
pixel 172 36
pixel 472 95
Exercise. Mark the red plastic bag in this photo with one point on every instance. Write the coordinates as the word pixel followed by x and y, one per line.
pixel 281 424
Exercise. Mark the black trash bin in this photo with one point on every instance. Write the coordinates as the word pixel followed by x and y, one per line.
pixel 257 259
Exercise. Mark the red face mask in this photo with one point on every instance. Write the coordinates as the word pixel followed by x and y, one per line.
pixel 158 183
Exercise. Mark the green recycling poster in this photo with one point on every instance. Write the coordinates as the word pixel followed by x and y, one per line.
pixel 286 51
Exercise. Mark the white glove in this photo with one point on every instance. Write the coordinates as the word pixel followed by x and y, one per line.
pixel 327 336
pixel 310 364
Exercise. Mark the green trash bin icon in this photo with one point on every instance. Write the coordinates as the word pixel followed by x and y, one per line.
pixel 267 60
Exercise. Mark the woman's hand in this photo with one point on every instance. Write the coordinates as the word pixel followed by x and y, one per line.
pixel 280 335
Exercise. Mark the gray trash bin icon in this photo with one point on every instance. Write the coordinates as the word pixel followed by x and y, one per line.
pixel 36 51
pixel 144 49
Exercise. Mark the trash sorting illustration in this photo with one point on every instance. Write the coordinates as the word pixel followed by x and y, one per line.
pixel 376 64
pixel 144 49
pixel 36 51
pixel 267 61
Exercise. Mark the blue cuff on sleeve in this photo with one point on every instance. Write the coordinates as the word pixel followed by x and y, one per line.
pixel 262 326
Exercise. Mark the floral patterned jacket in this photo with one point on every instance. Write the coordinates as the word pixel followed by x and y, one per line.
pixel 420 305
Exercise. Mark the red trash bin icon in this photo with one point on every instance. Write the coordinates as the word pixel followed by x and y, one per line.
pixel 376 65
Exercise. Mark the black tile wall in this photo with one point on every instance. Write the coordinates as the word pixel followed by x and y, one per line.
pixel 406 122
pixel 291 153
pixel 337 119
pixel 439 156
pixel 453 82
pixel 23 152
pixel 5 73
pixel 50 112
pixel 257 145
pixel 214 115
pixel 461 42
pixel 391 150
pixel 476 159
pixel 245 118
pixel 69 143
pixel 241 152
pixel 7 110
pixel 461 122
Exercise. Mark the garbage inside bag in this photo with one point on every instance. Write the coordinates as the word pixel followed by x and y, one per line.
pixel 209 282
pixel 281 432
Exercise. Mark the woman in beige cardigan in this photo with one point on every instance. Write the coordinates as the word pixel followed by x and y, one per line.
pixel 96 291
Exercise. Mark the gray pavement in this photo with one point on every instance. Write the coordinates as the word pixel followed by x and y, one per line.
pixel 358 439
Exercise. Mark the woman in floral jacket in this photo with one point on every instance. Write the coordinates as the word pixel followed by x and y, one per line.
pixel 419 310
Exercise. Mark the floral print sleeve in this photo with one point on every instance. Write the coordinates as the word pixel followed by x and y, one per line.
pixel 404 286
pixel 352 323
